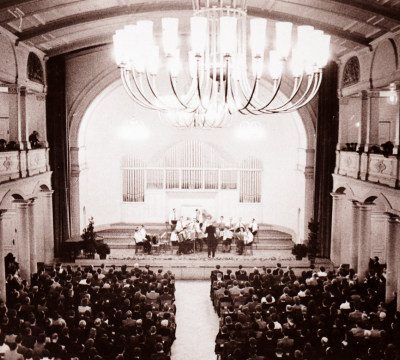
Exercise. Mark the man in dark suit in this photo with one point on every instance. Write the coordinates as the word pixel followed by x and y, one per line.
pixel 212 241
pixel 241 274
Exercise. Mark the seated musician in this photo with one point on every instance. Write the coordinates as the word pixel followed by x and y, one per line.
pixel 183 231
pixel 139 236
pixel 253 226
pixel 239 225
pixel 248 237
pixel 227 239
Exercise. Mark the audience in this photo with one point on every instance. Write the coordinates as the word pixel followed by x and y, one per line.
pixel 89 314
pixel 320 314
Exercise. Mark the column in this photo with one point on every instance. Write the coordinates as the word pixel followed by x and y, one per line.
pixel 364 244
pixel 32 234
pixel 396 149
pixel 362 130
pixel 2 265
pixel 24 121
pixel 336 236
pixel 23 245
pixel 372 120
pixel 48 230
pixel 14 116
pixel 392 250
pixel 355 235
pixel 342 131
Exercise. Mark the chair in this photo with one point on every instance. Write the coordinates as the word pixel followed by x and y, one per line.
pixel 248 249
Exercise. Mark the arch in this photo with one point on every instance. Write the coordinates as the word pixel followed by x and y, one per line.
pixel 384 62
pixel 10 196
pixel 345 189
pixel 379 199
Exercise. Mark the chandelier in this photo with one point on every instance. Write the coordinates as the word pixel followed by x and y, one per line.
pixel 224 73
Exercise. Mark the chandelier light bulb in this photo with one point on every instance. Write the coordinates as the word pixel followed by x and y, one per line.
pixel 218 64
pixel 198 33
pixel 228 35
pixel 170 35
pixel 258 36
pixel 283 38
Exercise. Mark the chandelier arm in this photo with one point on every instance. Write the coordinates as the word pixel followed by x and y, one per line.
pixel 157 97
pixel 310 97
pixel 130 91
pixel 306 97
pixel 277 86
pixel 244 110
pixel 199 86
pixel 139 89
pixel 171 80
pixel 295 90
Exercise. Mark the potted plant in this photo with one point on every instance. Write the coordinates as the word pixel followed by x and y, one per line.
pixel 103 250
pixel 299 250
pixel 312 242
pixel 89 243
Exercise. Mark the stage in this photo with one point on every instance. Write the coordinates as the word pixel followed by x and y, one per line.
pixel 269 248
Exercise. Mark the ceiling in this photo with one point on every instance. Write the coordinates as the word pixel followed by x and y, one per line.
pixel 62 26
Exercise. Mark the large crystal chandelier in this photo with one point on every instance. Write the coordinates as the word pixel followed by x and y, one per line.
pixel 224 72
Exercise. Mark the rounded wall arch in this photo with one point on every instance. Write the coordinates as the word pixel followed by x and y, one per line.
pixel 109 80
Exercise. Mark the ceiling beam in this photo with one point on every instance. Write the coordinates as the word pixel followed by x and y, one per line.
pixel 372 7
pixel 96 15
pixel 329 8
pixel 298 20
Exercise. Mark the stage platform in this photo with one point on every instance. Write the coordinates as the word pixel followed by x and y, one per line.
pixel 120 236
pixel 270 247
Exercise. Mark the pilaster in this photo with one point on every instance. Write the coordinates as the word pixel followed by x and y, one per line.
pixel 23 240
pixel 355 235
pixel 2 265
pixel 32 209
pixel 364 244
pixel 48 240
pixel 336 236
pixel 392 253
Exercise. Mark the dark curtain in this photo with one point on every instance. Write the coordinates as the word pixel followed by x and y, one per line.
pixel 327 137
pixel 58 138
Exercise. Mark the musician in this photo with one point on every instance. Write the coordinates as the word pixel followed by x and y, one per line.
pixel 239 225
pixel 227 239
pixel 212 242
pixel 199 235
pixel 248 237
pixel 253 226
pixel 179 228
pixel 139 237
pixel 173 219
pixel 240 234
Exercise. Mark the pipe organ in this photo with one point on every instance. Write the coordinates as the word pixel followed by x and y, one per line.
pixel 191 165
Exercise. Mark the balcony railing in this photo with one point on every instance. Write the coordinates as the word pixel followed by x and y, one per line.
pixel 375 168
pixel 23 163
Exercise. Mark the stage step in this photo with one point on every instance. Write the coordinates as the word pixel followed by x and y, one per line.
pixel 120 236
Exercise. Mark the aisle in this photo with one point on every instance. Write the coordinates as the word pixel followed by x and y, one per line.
pixel 197 323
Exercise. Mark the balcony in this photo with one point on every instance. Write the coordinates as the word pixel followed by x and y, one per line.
pixel 23 163
pixel 374 168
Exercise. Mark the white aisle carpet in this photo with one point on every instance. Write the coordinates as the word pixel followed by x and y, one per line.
pixel 197 323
